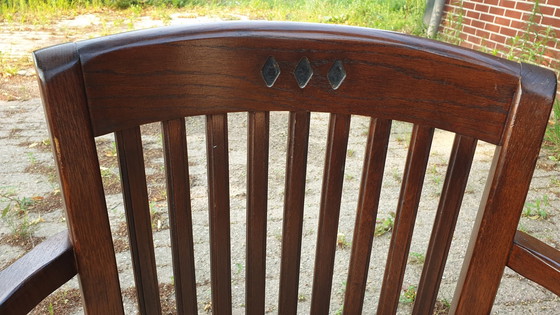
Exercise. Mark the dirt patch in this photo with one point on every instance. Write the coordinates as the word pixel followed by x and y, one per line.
pixel 49 203
pixel 166 293
pixel 18 88
pixel 63 302
pixel 26 242
pixel 441 308
pixel 121 245
pixel 43 169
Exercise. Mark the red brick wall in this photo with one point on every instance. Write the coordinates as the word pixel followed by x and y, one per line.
pixel 495 26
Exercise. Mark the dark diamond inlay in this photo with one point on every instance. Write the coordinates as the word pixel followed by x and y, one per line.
pixel 270 71
pixel 336 75
pixel 303 72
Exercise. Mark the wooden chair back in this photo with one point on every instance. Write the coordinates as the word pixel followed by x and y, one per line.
pixel 117 83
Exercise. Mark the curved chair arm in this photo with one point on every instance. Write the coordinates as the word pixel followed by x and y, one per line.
pixel 536 261
pixel 30 279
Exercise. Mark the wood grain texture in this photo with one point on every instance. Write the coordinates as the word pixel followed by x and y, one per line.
pixel 63 95
pixel 38 273
pixel 139 221
pixel 368 202
pixel 409 198
pixel 453 190
pixel 219 212
pixel 294 196
pixel 116 83
pixel 536 261
pixel 208 72
pixel 257 200
pixel 180 217
pixel 505 192
pixel 329 211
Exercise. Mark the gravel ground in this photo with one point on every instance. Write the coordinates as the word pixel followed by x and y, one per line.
pixel 28 171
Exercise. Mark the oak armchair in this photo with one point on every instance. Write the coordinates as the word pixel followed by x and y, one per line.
pixel 115 84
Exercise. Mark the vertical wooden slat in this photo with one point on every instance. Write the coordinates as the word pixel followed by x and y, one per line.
pixel 257 197
pixel 135 195
pixel 296 166
pixel 370 190
pixel 66 108
pixel 219 212
pixel 444 225
pixel 415 169
pixel 180 218
pixel 331 194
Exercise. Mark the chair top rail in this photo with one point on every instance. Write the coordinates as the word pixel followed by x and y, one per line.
pixel 154 75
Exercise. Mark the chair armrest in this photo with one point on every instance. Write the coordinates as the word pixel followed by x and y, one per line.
pixel 536 261
pixel 30 279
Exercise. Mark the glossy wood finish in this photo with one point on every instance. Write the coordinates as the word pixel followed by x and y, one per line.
pixel 368 202
pixel 218 202
pixel 257 197
pixel 137 209
pixel 504 195
pixel 331 194
pixel 431 80
pixel 64 99
pixel 536 261
pixel 407 208
pixel 36 275
pixel 180 217
pixel 116 83
pixel 454 186
pixel 294 196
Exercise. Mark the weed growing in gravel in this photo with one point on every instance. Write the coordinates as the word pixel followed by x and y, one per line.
pixel 339 311
pixel 341 241
pixel 409 295
pixel 442 307
pixel 11 66
pixel 416 258
pixel 16 215
pixel 386 225
pixel 537 210
pixel 552 136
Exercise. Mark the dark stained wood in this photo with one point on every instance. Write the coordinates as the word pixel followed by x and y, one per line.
pixel 422 86
pixel 504 195
pixel 536 261
pixel 257 197
pixel 444 224
pixel 114 84
pixel 413 178
pixel 36 275
pixel 296 167
pixel 180 218
pixel 368 202
pixel 137 209
pixel 63 94
pixel 218 202
pixel 331 194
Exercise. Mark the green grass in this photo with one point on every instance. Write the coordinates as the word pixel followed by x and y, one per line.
pixel 552 136
pixel 385 225
pixel 397 15
pixel 16 215
pixel 537 209
pixel 409 295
